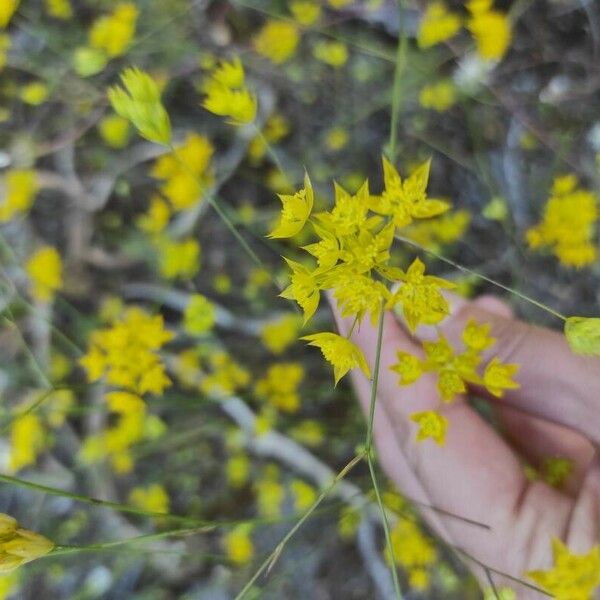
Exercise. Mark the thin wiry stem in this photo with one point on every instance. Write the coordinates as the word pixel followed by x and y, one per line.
pixel 369 453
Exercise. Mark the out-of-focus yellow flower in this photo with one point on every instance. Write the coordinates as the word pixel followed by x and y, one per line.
pixel 336 138
pixel 308 432
pixel 583 335
pixel 238 545
pixel 139 102
pixel 279 334
pixel 4 48
pixel 306 12
pixel 227 94
pixel 435 233
pixel 222 283
pixel 114 130
pixel 304 494
pixel 277 41
pixel 89 61
pixel 187 172
pixel 199 315
pixel 27 440
pixel 19 546
pixel 59 9
pixel 339 3
pixel 502 593
pixel 113 33
pixel 44 269
pixel 275 129
pixel 348 522
pixel 438 25
pixel 153 498
pixel 280 386
pixel 7 10
pixel 126 353
pixel 238 470
pixel 156 218
pixel 57 406
pixel 490 28
pixel 227 376
pixel 34 93
pixel 8 584
pixel 178 259
pixel 439 96
pixel 270 493
pixel 331 52
pixel 569 222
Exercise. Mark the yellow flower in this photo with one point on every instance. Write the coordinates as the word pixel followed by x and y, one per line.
pixel 498 377
pixel 409 368
pixel 238 470
pixel 573 576
pixel 114 130
pixel 156 218
pixel 7 10
pixel 336 138
pixel 406 200
pixel 113 33
pixel 438 25
pixel 44 269
pixel 89 61
pixel 339 3
pixel 270 494
pixel 477 336
pixel 178 259
pixel 583 335
pixel 59 9
pixel 431 425
pixel 34 93
pixel 490 28
pixel 556 470
pixel 303 289
pixel 306 12
pixel 238 545
pixel 19 546
pixel 308 432
pixel 304 494
pixel 277 41
pixel 295 211
pixel 279 334
pixel 27 440
pixel 340 352
pixel 332 53
pixel 421 296
pixel 153 498
pixel 412 549
pixel 439 96
pixel 280 386
pixel 227 95
pixel 199 315
pixel 139 102
pixel 358 295
pixel 227 376
pixel 126 353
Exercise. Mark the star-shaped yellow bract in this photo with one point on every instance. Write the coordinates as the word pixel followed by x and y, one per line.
pixel 295 211
pixel 340 352
pixel 573 576
pixel 406 200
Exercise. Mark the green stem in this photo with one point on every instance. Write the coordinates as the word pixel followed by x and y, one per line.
pixel 460 267
pixel 369 453
pixel 270 561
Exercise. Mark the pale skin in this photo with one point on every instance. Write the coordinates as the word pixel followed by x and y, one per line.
pixel 479 474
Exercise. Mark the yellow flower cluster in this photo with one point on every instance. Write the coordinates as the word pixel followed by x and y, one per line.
pixel 277 41
pixel 44 269
pixel 19 546
pixel 280 333
pixel 186 173
pixel 280 385
pixel 226 376
pixel 569 224
pixel 227 94
pixel 439 96
pixel 306 12
pixel 270 493
pixel 178 259
pixel 199 315
pixel 238 545
pixel 491 29
pixel 573 576
pixel 131 424
pixel 331 52
pixel 114 130
pixel 455 372
pixel 153 498
pixel 139 102
pixel 413 551
pixel 19 189
pixel 127 353
pixel 7 10
pixel 109 37
pixel 436 233
pixel 59 9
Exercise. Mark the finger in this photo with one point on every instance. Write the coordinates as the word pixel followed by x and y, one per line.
pixel 555 384
pixel 538 440
pixel 474 471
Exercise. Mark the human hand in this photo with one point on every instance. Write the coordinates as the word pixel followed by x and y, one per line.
pixel 479 473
